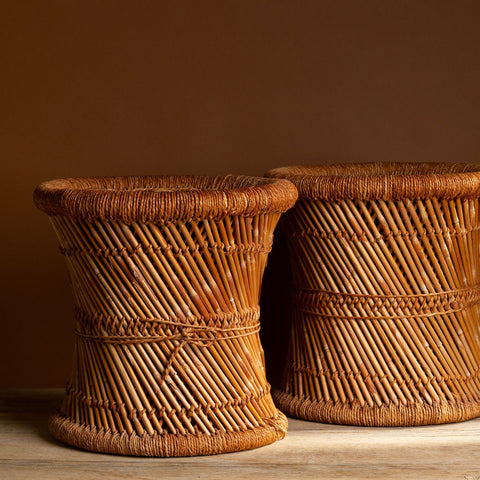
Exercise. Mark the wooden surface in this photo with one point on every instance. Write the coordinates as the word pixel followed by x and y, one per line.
pixel 310 450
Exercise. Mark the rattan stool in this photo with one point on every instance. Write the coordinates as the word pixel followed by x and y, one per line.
pixel 386 267
pixel 166 275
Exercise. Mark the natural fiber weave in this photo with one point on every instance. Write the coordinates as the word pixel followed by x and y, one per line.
pixel 386 316
pixel 166 275
pixel 163 198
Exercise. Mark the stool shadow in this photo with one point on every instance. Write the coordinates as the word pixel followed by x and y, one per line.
pixel 276 309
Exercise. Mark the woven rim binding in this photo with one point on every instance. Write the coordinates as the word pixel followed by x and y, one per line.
pixel 163 198
pixel 90 438
pixel 414 414
pixel 383 180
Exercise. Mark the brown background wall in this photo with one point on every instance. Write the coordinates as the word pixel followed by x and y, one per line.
pixel 116 88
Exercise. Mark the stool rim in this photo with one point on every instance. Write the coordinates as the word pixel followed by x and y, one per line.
pixel 163 198
pixel 383 180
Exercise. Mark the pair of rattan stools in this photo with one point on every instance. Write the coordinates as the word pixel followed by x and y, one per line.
pixel 166 274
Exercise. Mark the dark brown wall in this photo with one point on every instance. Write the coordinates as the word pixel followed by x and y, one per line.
pixel 90 88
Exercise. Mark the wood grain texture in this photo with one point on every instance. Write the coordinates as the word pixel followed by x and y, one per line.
pixel 310 450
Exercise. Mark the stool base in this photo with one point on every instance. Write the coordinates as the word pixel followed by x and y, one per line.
pixel 168 445
pixel 384 416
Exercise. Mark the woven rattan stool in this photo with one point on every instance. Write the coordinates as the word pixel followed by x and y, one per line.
pixel 386 268
pixel 166 275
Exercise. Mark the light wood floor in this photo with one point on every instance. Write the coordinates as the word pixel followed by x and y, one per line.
pixel 310 450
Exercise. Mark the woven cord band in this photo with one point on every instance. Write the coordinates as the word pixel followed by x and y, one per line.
pixel 202 332
pixel 216 247
pixel 398 306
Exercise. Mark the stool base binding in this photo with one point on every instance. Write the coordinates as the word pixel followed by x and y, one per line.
pixel 169 445
pixel 385 416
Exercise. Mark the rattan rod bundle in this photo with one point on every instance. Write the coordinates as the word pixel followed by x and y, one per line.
pixel 387 274
pixel 168 359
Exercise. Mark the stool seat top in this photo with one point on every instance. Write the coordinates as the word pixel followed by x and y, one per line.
pixel 383 180
pixel 164 198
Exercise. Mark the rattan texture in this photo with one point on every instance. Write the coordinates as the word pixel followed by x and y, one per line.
pixel 166 275
pixel 386 268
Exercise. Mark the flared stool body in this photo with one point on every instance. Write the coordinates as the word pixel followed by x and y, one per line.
pixel 386 268
pixel 166 275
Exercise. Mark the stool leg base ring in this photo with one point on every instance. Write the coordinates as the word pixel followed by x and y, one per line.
pixel 90 438
pixel 385 416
